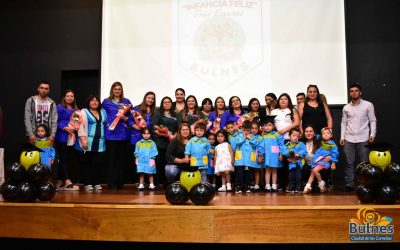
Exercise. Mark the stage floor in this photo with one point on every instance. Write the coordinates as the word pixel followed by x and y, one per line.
pixel 146 216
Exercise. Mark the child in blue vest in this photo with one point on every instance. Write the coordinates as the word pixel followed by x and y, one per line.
pixel 43 142
pixel 295 151
pixel 212 178
pixel 325 157
pixel 197 149
pixel 269 153
pixel 145 154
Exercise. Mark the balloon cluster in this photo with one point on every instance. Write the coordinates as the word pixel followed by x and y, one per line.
pixel 26 184
pixel 378 183
pixel 189 187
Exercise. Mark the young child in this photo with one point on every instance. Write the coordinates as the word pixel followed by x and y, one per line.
pixel 255 165
pixel 145 154
pixel 197 149
pixel 43 142
pixel 295 151
pixel 245 157
pixel 233 133
pixel 269 154
pixel 325 157
pixel 224 160
pixel 212 178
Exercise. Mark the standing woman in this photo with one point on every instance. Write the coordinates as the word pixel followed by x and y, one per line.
pixel 66 154
pixel 91 147
pixel 179 104
pixel 270 102
pixel 216 115
pixel 313 111
pixel 164 117
pixel 206 107
pixel 234 112
pixel 286 119
pixel 191 113
pixel 117 140
pixel 254 108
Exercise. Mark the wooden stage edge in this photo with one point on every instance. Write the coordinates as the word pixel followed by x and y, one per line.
pixel 126 217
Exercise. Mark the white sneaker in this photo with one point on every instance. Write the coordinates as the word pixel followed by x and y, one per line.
pixel 322 187
pixel 88 188
pixel 222 188
pixel 97 187
pixel 228 187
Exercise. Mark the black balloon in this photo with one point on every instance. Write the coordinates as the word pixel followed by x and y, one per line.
pixel 359 169
pixel 16 172
pixel 386 194
pixel 392 173
pixel 172 173
pixel 176 194
pixel 212 188
pixel 26 192
pixel 46 191
pixel 371 175
pixel 201 194
pixel 365 194
pixel 39 173
pixel 9 190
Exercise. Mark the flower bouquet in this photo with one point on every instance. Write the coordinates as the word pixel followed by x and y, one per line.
pixel 74 122
pixel 139 120
pixel 122 109
pixel 164 131
pixel 201 120
pixel 245 117
pixel 217 124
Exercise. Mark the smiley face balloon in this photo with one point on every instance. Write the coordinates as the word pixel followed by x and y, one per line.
pixel 188 179
pixel 380 155
pixel 30 155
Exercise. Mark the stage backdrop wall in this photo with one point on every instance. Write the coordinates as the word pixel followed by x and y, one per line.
pixel 46 39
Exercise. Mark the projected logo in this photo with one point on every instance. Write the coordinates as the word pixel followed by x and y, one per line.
pixel 220 41
pixel 371 226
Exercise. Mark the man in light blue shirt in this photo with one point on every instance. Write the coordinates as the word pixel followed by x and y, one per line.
pixel 358 129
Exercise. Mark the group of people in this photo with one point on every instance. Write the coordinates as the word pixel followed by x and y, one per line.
pixel 261 148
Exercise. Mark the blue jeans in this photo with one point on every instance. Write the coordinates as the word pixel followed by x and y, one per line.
pixel 351 150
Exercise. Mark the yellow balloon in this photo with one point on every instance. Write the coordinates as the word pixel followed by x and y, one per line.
pixel 189 179
pixel 29 158
pixel 380 158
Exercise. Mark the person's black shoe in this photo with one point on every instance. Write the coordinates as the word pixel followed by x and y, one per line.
pixel 348 189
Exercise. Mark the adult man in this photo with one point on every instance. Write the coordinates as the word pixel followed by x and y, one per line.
pixel 40 109
pixel 358 129
pixel 300 97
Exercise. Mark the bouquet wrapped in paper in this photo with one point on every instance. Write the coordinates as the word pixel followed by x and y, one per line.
pixel 138 118
pixel 122 109
pixel 164 131
pixel 74 122
pixel 201 120
pixel 217 124
pixel 245 117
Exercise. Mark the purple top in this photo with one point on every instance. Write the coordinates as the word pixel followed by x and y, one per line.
pixel 135 134
pixel 64 115
pixel 121 131
pixel 228 117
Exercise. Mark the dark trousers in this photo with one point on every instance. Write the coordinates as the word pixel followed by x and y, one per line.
pixel 90 165
pixel 242 176
pixel 66 160
pixel 295 178
pixel 117 161
pixel 161 161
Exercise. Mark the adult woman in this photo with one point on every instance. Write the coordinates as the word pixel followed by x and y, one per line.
pixel 206 107
pixel 91 147
pixel 117 139
pixel 179 104
pixel 313 111
pixel 270 101
pixel 216 115
pixel 254 108
pixel 176 149
pixel 191 113
pixel 145 110
pixel 166 118
pixel 312 145
pixel 286 115
pixel 234 112
pixel 65 153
